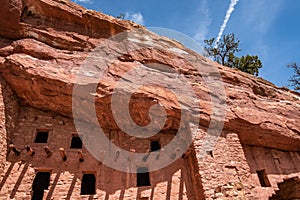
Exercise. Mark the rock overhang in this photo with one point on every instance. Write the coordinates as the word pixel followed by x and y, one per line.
pixel 42 51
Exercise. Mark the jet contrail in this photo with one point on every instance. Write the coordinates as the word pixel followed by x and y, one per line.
pixel 226 19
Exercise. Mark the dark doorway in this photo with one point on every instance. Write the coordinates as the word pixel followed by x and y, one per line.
pixel 76 142
pixel 155 146
pixel 40 183
pixel 41 137
pixel 263 178
pixel 88 184
pixel 142 176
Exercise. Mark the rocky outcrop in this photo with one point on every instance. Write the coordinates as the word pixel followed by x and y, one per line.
pixel 45 42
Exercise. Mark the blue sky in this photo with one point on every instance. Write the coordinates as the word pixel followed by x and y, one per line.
pixel 267 28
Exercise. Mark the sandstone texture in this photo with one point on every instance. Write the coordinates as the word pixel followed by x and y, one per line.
pixel 44 45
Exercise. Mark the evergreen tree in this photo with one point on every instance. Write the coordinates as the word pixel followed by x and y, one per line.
pixel 224 51
pixel 249 64
pixel 295 79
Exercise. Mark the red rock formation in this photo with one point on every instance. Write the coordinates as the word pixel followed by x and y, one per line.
pixel 54 38
pixel 43 43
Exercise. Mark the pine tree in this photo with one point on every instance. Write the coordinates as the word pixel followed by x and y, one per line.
pixel 295 79
pixel 224 51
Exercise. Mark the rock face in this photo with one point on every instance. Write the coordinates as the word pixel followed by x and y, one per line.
pixel 44 47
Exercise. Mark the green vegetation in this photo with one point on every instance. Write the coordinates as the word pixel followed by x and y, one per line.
pixel 121 16
pixel 295 79
pixel 224 53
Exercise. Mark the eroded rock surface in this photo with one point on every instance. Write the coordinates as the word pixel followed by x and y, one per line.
pixel 44 43
pixel 48 48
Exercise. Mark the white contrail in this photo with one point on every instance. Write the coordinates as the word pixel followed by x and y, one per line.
pixel 226 19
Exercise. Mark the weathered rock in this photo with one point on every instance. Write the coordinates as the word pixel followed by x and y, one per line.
pixel 54 38
pixel 44 44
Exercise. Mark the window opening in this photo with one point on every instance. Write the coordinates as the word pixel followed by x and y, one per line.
pixel 41 137
pixel 155 146
pixel 143 178
pixel 76 142
pixel 88 184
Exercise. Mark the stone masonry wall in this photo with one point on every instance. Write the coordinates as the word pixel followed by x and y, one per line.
pixel 9 110
pixel 227 172
pixel 278 166
pixel 230 170
pixel 172 182
pixel 224 171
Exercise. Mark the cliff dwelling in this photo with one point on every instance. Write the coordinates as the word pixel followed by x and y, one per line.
pixel 45 155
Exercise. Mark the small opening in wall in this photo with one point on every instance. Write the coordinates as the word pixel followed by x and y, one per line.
pixel 76 142
pixel 88 184
pixel 210 153
pixel 41 136
pixel 155 145
pixel 263 178
pixel 40 183
pixel 143 178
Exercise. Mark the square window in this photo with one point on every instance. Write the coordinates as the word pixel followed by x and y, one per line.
pixel 76 142
pixel 41 137
pixel 155 146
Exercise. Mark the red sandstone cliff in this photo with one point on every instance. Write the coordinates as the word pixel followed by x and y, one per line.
pixel 43 43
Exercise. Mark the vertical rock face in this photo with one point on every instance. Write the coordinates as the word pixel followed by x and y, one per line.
pixel 44 45
pixel 11 13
